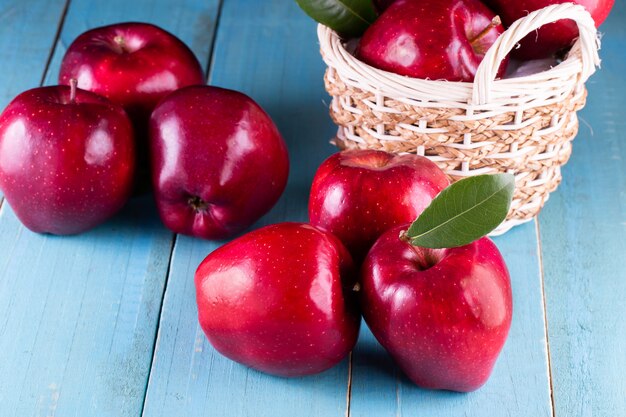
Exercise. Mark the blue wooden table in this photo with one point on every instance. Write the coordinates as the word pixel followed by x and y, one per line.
pixel 104 324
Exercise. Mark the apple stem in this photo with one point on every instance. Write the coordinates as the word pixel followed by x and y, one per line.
pixel 119 40
pixel 356 287
pixel 73 86
pixel 426 257
pixel 494 23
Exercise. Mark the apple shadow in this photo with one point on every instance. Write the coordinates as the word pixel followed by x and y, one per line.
pixel 139 212
pixel 139 215
pixel 371 359
pixel 307 129
pixel 323 384
pixel 373 367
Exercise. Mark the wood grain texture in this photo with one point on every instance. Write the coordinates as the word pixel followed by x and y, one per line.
pixel 268 50
pixel 519 385
pixel 78 315
pixel 25 48
pixel 583 231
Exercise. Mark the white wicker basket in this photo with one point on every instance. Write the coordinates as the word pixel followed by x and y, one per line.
pixel 521 125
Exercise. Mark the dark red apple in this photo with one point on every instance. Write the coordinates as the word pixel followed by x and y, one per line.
pixel 434 39
pixel 357 195
pixel 134 65
pixel 442 314
pixel 550 38
pixel 280 299
pixel 218 161
pixel 67 159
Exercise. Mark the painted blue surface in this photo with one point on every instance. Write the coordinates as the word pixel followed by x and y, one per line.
pixel 79 315
pixel 25 48
pixel 189 378
pixel 283 75
pixel 583 234
pixel 519 385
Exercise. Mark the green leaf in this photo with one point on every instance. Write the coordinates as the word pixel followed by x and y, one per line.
pixel 464 212
pixel 347 17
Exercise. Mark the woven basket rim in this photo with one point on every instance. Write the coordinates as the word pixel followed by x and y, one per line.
pixel 485 91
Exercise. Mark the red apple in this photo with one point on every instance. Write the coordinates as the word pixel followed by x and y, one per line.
pixel 442 314
pixel 134 65
pixel 280 299
pixel 551 38
pixel 434 39
pixel 357 195
pixel 66 159
pixel 218 161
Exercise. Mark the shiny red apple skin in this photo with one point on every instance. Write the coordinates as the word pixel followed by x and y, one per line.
pixel 218 161
pixel 65 167
pixel 552 37
pixel 280 299
pixel 443 315
pixel 149 64
pixel 359 194
pixel 430 39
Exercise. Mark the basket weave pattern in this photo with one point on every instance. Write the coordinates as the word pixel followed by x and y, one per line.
pixel 522 125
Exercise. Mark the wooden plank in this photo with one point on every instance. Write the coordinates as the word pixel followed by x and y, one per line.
pixel 79 314
pixel 24 47
pixel 583 231
pixel 519 385
pixel 269 51
pixel 190 378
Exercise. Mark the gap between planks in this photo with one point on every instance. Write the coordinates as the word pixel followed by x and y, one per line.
pixel 209 65
pixel 57 35
pixel 174 241
pixel 158 331
pixel 349 389
pixel 545 314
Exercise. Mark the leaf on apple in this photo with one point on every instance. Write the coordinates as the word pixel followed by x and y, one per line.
pixel 348 17
pixel 464 212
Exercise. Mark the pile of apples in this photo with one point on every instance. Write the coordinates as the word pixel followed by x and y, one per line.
pixel 447 39
pixel 132 110
pixel 286 299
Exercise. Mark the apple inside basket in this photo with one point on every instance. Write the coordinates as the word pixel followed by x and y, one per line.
pixel 521 125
